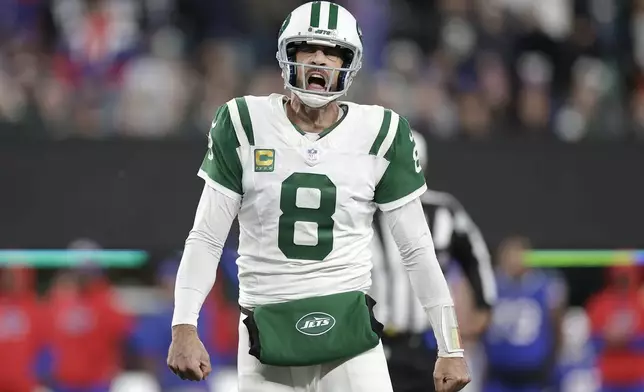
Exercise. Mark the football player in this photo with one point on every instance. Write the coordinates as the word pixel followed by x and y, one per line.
pixel 304 174
pixel 525 333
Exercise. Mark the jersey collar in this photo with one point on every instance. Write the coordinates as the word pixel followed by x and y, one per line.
pixel 280 102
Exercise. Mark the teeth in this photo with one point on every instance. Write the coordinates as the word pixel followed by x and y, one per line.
pixel 316 74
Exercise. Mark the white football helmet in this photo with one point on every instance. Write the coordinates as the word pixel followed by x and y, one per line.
pixel 320 23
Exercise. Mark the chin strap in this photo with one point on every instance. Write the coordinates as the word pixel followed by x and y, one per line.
pixel 314 100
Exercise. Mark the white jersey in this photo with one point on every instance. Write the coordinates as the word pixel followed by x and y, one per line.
pixel 307 203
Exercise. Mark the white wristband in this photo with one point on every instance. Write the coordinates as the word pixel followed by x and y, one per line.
pixel 445 325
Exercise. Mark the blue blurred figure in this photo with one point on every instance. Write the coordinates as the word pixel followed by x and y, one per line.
pixel 524 336
pixel 19 19
pixel 153 334
pixel 577 366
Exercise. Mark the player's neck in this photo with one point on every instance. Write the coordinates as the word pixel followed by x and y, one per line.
pixel 310 119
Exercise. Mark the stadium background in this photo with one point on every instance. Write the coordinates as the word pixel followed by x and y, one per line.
pixel 533 112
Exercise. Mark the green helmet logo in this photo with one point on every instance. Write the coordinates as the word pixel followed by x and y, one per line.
pixel 285 24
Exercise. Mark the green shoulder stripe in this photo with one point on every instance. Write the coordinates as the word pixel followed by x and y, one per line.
pixel 244 116
pixel 221 163
pixel 382 133
pixel 403 177
pixel 402 133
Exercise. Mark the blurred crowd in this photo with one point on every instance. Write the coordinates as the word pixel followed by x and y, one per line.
pixel 78 330
pixel 476 69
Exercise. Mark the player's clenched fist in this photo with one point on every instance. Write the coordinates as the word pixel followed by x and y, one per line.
pixel 451 374
pixel 187 357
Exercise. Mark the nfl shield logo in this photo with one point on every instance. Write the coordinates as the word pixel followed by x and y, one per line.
pixel 313 155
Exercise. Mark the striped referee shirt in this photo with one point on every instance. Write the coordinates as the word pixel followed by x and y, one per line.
pixel 456 238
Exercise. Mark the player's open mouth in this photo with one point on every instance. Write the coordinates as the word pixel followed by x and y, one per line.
pixel 316 81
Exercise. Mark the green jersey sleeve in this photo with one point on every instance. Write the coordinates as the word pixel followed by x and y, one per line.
pixel 403 179
pixel 221 167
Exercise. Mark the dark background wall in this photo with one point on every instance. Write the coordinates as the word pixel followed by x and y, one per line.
pixel 143 195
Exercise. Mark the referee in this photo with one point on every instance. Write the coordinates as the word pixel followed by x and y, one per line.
pixel 409 343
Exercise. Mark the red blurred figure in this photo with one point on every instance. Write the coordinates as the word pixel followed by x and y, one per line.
pixel 224 336
pixel 617 319
pixel 88 332
pixel 21 330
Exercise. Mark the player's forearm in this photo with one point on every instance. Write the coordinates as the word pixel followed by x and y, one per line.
pixel 411 233
pixel 201 255
pixel 414 240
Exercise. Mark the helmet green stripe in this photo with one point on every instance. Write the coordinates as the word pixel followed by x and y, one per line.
pixel 333 16
pixel 315 14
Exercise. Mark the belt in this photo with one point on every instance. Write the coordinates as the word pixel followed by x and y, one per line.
pixel 245 312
